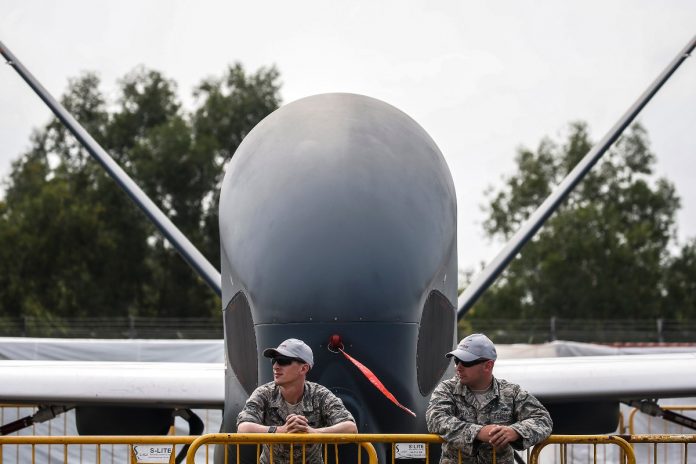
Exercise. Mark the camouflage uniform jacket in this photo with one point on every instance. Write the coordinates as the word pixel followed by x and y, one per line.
pixel 321 408
pixel 455 415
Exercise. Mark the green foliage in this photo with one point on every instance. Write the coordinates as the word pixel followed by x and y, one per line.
pixel 605 252
pixel 680 286
pixel 72 244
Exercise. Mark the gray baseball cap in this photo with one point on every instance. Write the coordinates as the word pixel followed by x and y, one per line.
pixel 292 348
pixel 473 347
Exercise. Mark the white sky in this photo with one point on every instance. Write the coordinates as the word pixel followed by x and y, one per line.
pixel 483 78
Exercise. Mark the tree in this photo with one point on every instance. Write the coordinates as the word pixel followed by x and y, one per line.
pixel 604 253
pixel 73 244
pixel 679 300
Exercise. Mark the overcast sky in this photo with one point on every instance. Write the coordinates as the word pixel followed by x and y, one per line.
pixel 482 78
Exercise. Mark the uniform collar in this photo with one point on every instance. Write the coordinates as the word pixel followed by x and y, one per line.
pixel 306 400
pixel 466 392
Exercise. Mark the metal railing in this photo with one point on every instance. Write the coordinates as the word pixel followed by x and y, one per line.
pixel 364 443
pixel 564 441
pixel 662 439
pixel 95 443
pixel 665 425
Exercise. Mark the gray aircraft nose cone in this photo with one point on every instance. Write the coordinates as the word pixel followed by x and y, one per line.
pixel 336 201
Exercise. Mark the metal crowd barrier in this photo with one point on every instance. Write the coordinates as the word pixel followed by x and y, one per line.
pixel 663 439
pixel 665 424
pixel 626 447
pixel 98 442
pixel 364 443
pixel 564 440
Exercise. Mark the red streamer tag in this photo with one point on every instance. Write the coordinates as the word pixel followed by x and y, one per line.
pixel 375 381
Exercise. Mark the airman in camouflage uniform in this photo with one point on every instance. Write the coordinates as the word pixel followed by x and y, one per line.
pixel 476 413
pixel 291 404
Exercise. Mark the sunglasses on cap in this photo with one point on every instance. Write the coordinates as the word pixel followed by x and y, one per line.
pixel 285 361
pixel 458 361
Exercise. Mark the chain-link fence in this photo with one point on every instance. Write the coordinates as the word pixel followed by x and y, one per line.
pixel 584 330
pixel 114 327
pixel 500 330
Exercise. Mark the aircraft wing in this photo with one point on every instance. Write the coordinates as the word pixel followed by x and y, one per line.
pixel 617 378
pixel 166 384
pixel 201 385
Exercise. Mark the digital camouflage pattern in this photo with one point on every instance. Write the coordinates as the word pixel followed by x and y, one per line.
pixel 455 414
pixel 322 408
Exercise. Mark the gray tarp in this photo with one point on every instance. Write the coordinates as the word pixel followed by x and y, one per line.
pixel 66 349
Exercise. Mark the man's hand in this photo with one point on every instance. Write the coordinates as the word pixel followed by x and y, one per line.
pixel 295 423
pixel 498 435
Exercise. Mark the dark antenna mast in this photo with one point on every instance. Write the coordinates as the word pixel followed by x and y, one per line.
pixel 186 249
pixel 491 272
